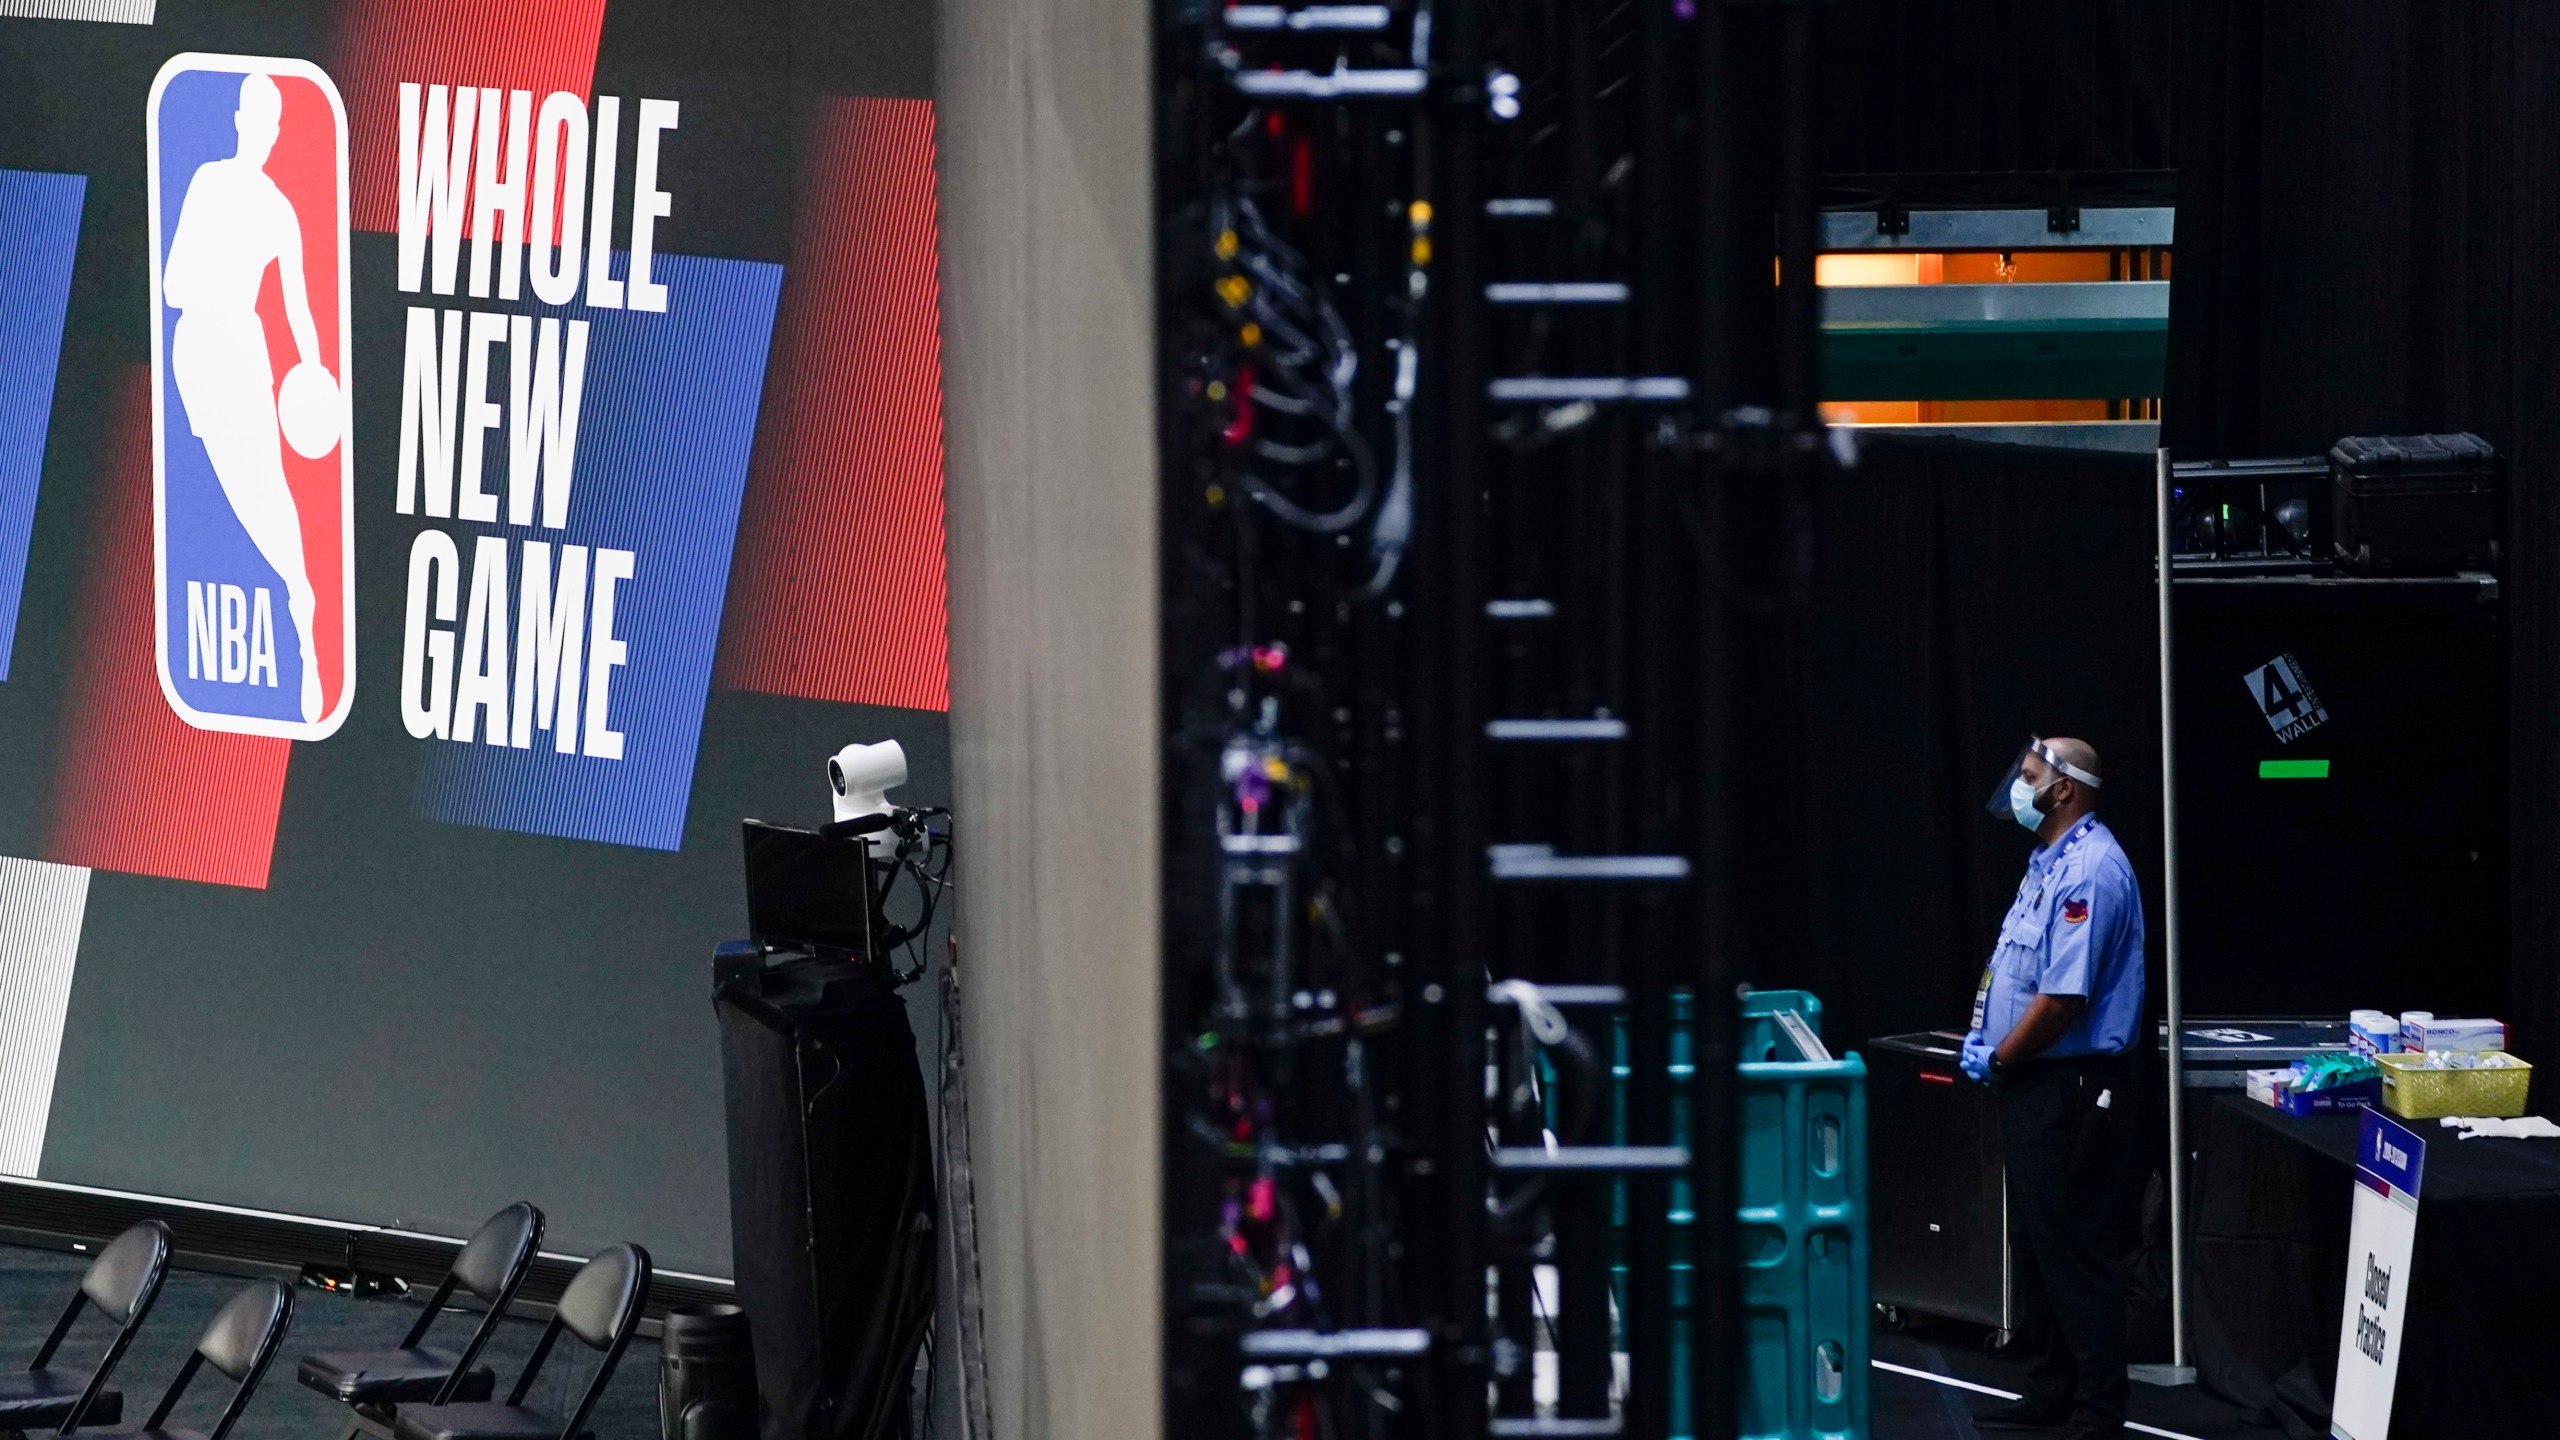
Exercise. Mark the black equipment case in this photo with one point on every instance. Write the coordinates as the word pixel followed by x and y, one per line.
pixel 2417 504
pixel 2220 1052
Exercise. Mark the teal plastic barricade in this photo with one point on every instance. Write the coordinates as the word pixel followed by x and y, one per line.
pixel 1801 1235
pixel 1802 1231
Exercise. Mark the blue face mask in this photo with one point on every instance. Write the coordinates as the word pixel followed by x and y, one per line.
pixel 2022 804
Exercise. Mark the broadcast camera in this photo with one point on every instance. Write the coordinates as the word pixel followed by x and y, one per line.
pixel 861 777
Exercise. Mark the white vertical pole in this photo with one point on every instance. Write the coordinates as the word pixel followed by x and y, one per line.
pixel 2182 1369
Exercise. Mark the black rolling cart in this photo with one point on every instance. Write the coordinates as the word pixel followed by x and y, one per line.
pixel 1937 1193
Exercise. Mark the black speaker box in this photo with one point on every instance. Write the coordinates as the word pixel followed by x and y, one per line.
pixel 2341 795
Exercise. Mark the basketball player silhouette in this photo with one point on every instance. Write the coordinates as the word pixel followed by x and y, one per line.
pixel 232 225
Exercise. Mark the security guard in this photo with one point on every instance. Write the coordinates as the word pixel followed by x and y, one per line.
pixel 2053 1022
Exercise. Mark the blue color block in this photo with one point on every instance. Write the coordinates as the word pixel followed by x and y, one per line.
pixel 663 437
pixel 39 235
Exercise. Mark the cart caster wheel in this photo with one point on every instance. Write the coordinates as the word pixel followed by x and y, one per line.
pixel 1892 1317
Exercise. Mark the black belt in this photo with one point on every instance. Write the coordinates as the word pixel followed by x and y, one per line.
pixel 2111 1066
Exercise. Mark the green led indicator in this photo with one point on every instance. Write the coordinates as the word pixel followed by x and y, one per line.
pixel 2293 769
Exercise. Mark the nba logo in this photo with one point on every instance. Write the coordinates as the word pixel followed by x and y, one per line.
pixel 252 476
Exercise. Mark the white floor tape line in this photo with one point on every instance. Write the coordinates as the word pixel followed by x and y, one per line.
pixel 2009 1395
pixel 1944 1380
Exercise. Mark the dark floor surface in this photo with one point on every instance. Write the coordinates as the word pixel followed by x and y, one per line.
pixel 1906 1407
pixel 36 1284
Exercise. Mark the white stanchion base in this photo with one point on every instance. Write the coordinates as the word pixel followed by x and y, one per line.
pixel 2161 1375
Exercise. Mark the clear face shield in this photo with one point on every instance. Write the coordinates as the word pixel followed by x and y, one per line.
pixel 2028 777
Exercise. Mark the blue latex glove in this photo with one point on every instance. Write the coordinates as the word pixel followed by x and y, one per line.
pixel 1977 1058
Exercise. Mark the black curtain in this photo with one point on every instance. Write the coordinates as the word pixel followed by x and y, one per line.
pixel 1986 88
pixel 1963 595
pixel 2366 194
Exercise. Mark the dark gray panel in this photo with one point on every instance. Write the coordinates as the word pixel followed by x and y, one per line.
pixel 417 1023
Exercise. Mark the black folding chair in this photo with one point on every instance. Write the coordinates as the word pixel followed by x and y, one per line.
pixel 601 1307
pixel 122 1282
pixel 493 1263
pixel 240 1342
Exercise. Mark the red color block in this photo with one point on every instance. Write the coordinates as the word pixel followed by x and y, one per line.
pixel 837 591
pixel 501 44
pixel 306 154
pixel 136 789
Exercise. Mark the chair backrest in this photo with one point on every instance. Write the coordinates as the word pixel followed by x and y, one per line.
pixel 240 1341
pixel 493 1260
pixel 601 1306
pixel 603 1300
pixel 243 1333
pixel 124 1277
pixel 122 1281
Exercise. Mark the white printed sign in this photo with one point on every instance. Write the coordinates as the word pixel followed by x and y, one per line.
pixel 2287 700
pixel 2389 1159
pixel 2291 707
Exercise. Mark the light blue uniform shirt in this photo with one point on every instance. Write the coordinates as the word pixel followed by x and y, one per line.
pixel 2075 929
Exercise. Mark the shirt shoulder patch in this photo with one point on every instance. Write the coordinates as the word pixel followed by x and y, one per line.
pixel 2075 911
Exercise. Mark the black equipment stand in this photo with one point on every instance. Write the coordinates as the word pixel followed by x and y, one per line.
pixel 830 1189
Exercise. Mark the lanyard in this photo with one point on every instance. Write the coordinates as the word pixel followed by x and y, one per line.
pixel 2062 852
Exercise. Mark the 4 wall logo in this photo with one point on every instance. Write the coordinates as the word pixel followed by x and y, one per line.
pixel 253 480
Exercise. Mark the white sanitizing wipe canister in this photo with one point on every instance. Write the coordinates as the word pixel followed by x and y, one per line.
pixel 2373 1032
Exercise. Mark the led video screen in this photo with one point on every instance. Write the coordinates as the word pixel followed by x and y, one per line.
pixel 456 461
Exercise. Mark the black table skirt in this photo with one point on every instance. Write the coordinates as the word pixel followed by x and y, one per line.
pixel 2272 1199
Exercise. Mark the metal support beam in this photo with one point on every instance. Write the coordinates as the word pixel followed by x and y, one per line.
pixel 2055 301
pixel 2127 228
pixel 1990 360
pixel 2180 1370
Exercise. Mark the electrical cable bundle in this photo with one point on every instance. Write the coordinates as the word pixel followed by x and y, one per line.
pixel 1293 401
pixel 1296 278
pixel 924 854
pixel 1292 412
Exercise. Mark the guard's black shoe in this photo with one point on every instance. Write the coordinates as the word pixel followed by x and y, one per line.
pixel 2024 1415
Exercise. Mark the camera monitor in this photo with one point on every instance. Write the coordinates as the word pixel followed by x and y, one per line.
pixel 807 891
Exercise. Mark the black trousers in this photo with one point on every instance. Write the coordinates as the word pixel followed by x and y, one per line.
pixel 2067 1175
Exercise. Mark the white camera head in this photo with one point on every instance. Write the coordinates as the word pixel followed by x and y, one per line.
pixel 859 779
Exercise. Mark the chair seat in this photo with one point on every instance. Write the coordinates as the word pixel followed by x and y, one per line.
pixel 483 1420
pixel 371 1377
pixel 34 1399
